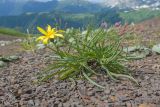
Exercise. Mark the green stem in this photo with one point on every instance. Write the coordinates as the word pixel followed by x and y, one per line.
pixel 85 75
pixel 125 76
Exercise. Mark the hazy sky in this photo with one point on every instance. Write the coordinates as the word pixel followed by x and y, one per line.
pixel 88 0
pixel 43 0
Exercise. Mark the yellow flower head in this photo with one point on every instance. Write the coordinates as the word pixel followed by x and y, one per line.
pixel 50 33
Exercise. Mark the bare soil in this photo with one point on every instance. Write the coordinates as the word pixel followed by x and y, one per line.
pixel 10 49
pixel 7 37
pixel 17 88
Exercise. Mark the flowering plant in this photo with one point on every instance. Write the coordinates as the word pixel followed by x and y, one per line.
pixel 85 54
pixel 50 33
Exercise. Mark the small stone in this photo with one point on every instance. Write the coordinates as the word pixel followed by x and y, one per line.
pixel 19 91
pixel 107 91
pixel 1 93
pixel 38 89
pixel 40 46
pixel 56 94
pixel 91 93
pixel 18 40
pixel 64 99
pixel 98 90
pixel 80 81
pixel 124 98
pixel 22 103
pixel 55 105
pixel 44 103
pixel 60 105
pixel 63 86
pixel 157 94
pixel 112 99
pixel 3 44
pixel 29 91
pixel 7 104
pixel 66 104
pixel 91 86
pixel 103 98
pixel 76 95
pixel 13 57
pixel 146 77
pixel 31 103
pixel 147 105
pixel 44 90
pixel 2 64
pixel 75 104
pixel 128 104
pixel 25 97
pixel 37 102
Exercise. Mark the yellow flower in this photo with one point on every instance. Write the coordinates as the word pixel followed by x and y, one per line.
pixel 50 33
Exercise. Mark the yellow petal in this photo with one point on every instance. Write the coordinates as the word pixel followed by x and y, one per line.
pixel 40 38
pixel 59 35
pixel 61 31
pixel 45 41
pixel 52 36
pixel 49 28
pixel 42 30
pixel 53 29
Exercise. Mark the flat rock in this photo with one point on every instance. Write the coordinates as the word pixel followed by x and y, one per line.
pixel 2 64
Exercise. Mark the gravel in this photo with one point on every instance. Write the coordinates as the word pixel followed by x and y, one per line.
pixel 17 87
